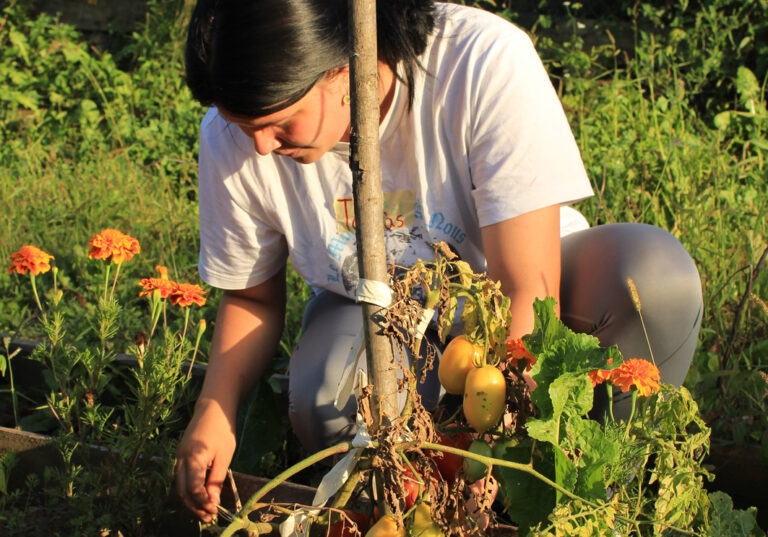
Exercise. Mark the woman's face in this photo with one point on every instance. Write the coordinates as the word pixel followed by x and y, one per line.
pixel 308 128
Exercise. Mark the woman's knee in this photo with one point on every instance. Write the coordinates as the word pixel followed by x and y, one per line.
pixel 331 323
pixel 596 296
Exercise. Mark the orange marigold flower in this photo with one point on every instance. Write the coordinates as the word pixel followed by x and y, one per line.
pixel 599 376
pixel 30 259
pixel 113 245
pixel 639 373
pixel 516 351
pixel 150 285
pixel 186 294
pixel 162 270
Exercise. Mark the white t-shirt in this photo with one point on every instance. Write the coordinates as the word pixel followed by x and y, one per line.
pixel 485 141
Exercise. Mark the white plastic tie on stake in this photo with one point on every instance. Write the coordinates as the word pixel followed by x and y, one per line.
pixel 338 475
pixel 297 524
pixel 426 317
pixel 347 382
pixel 374 292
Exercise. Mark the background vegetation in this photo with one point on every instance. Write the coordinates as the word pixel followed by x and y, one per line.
pixel 667 99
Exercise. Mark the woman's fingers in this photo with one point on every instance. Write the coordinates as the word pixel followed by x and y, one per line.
pixel 191 483
pixel 215 481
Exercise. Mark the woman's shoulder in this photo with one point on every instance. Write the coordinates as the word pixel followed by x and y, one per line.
pixel 459 21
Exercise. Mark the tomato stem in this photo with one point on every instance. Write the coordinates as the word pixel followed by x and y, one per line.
pixel 343 447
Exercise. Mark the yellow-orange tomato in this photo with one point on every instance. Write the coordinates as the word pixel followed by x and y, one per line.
pixel 457 360
pixel 386 527
pixel 485 394
pixel 423 525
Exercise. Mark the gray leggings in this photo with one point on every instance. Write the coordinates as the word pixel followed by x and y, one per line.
pixel 594 299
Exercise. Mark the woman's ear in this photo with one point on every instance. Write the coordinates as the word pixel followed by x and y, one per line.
pixel 338 72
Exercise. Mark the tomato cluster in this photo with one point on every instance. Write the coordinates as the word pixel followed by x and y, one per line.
pixel 461 371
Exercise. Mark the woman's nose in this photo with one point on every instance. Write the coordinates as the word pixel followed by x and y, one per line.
pixel 265 141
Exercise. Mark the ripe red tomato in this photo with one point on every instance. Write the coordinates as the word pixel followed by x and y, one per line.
pixel 449 464
pixel 414 489
pixel 457 360
pixel 485 396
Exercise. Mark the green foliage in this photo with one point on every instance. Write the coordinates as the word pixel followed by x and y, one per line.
pixel 729 522
pixel 115 425
pixel 667 102
pixel 650 465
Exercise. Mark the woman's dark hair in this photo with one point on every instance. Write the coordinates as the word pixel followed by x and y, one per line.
pixel 256 57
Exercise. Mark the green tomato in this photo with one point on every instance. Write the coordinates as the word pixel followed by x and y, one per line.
pixel 474 470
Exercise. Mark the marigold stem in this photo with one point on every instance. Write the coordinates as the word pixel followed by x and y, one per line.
pixel 34 292
pixel 114 282
pixel 609 388
pixel 106 281
pixel 631 413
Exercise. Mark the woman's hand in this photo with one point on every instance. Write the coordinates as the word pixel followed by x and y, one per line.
pixel 206 448
pixel 248 326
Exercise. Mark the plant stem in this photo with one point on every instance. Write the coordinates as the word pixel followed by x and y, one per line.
pixel 296 468
pixel 647 339
pixel 186 321
pixel 631 414
pixel 14 398
pixel 114 281
pixel 34 292
pixel 253 528
pixel 106 280
pixel 490 461
pixel 609 388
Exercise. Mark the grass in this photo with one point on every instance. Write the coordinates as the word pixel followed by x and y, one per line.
pixel 672 132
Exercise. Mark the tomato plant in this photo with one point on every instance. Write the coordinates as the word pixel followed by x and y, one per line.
pixel 484 397
pixel 459 357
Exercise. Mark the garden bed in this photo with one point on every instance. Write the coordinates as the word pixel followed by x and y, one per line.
pixel 36 452
pixel 740 471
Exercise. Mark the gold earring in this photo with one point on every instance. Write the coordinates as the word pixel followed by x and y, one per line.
pixel 345 99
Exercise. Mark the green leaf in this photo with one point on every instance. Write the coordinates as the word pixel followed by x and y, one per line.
pixel 571 394
pixel 598 450
pixel 7 462
pixel 3 366
pixel 527 500
pixel 748 88
pixel 728 522
pixel 260 429
pixel 20 42
pixel 722 120
pixel 762 143
pixel 566 473
pixel 547 328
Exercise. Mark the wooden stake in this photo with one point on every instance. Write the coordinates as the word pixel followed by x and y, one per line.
pixel 368 201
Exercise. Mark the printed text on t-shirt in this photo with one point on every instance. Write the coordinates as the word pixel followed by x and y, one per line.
pixel 398 211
